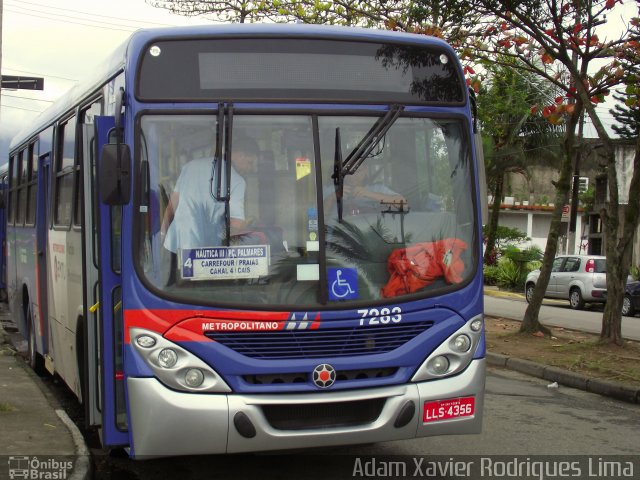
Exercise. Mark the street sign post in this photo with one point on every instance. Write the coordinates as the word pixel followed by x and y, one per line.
pixel 22 83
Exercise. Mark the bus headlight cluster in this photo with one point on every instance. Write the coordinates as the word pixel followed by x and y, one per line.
pixel 174 366
pixel 455 353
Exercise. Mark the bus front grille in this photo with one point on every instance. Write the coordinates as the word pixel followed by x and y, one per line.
pixel 303 377
pixel 323 415
pixel 322 343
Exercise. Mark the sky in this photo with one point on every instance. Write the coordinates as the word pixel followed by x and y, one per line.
pixel 63 40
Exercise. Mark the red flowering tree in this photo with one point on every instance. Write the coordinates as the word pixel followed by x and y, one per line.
pixel 560 40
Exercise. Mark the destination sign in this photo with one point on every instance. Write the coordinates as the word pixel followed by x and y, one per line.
pixel 224 263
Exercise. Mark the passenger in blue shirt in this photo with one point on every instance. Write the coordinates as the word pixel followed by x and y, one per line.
pixel 193 218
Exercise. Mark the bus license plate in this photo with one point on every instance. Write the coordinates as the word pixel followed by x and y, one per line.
pixel 446 409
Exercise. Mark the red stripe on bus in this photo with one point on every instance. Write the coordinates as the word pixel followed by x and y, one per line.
pixel 162 321
pixel 316 322
pixel 146 319
pixel 180 334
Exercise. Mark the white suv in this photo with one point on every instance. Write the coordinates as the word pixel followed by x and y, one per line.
pixel 578 278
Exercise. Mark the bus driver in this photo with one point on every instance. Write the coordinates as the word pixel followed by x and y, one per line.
pixel 194 218
pixel 363 196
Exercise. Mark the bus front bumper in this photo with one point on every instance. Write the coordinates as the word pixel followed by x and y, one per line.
pixel 165 422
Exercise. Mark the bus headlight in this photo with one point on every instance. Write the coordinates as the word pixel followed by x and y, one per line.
pixel 145 341
pixel 438 365
pixel 167 358
pixel 461 343
pixel 174 366
pixel 455 353
pixel 476 325
pixel 194 377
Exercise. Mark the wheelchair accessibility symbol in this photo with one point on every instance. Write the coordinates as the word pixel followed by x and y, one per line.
pixel 343 283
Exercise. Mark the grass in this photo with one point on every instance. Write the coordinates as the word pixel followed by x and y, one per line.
pixel 6 407
pixel 578 352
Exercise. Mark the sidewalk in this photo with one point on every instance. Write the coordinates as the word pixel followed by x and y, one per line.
pixel 36 435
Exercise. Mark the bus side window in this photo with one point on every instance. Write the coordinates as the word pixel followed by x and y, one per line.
pixel 64 173
pixel 12 186
pixel 22 192
pixel 32 186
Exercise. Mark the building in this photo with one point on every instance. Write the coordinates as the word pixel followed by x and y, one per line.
pixel 625 153
pixel 528 209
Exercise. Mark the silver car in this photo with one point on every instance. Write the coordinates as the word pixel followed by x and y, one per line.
pixel 578 278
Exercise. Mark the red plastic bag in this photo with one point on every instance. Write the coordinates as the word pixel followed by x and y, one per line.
pixel 416 267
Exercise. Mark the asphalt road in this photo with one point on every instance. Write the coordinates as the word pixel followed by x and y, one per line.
pixel 559 314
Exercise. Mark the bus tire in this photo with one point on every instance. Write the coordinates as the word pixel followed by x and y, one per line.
pixel 34 359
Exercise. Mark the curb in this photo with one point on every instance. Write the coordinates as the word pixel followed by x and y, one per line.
pixel 495 292
pixel 567 378
pixel 82 469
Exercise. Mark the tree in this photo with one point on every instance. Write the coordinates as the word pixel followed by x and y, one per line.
pixel 628 118
pixel 619 247
pixel 232 11
pixel 627 111
pixel 504 112
pixel 441 18
pixel 558 41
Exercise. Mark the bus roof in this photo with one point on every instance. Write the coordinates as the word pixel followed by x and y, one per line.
pixel 121 57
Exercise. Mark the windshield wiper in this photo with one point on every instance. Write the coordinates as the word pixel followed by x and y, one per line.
pixel 216 165
pixel 359 154
pixel 338 177
pixel 224 127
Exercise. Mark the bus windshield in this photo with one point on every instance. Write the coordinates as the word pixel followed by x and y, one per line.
pixel 276 236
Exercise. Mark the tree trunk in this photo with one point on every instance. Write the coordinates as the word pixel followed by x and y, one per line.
pixel 619 251
pixel 489 253
pixel 530 322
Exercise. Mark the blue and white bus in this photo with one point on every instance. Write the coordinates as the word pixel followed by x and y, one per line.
pixel 349 307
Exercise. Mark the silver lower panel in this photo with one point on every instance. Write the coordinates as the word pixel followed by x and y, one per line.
pixel 167 423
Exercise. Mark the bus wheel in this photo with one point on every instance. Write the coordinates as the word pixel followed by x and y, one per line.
pixel 35 361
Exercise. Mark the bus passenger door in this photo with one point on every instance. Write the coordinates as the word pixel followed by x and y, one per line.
pixel 42 232
pixel 110 316
pixel 91 370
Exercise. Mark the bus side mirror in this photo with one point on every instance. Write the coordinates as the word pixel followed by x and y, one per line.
pixel 115 174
